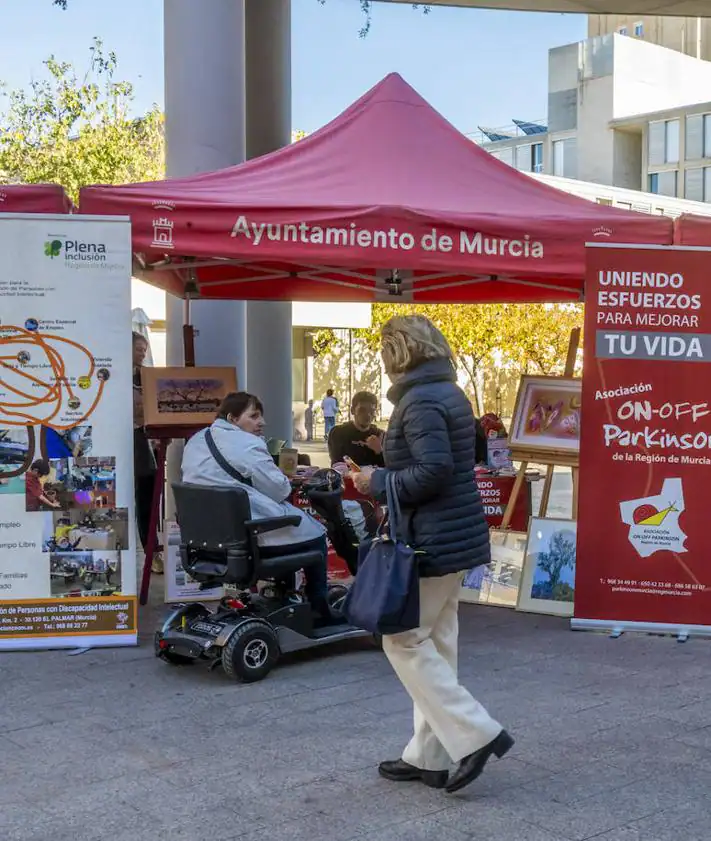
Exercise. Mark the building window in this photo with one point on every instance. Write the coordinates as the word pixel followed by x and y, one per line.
pixel 504 155
pixel 697 184
pixel 663 142
pixel 622 30
pixel 565 155
pixel 663 183
pixel 529 157
pixel 698 137
pixel 523 158
pixel 639 29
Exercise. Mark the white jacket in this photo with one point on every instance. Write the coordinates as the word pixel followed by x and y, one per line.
pixel 249 455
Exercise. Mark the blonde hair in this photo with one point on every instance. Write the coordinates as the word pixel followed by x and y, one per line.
pixel 410 340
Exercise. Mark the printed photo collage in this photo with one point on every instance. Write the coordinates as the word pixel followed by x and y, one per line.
pixel 74 492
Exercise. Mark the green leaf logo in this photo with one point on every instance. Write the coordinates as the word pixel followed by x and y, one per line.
pixel 53 249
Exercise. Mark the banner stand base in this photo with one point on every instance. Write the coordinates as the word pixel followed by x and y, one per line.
pixel 616 628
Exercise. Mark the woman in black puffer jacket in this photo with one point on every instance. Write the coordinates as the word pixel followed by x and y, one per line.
pixel 429 448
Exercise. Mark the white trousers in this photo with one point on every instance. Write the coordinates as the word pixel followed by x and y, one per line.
pixel 449 723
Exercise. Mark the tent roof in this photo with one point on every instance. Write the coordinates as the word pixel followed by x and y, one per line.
pixel 33 198
pixel 387 185
pixel 693 230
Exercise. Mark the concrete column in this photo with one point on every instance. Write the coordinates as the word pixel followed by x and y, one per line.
pixel 269 324
pixel 205 130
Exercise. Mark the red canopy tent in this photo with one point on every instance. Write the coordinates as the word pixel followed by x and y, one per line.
pixel 693 230
pixel 34 198
pixel 388 199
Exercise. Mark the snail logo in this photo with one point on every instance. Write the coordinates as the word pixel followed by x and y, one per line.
pixel 654 520
pixel 53 248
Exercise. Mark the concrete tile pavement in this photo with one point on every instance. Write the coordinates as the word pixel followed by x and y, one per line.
pixel 613 743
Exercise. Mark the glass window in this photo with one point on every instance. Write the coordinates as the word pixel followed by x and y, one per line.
pixel 537 157
pixel 666 183
pixel 505 155
pixel 639 29
pixel 523 158
pixel 694 184
pixel 655 143
pixel 671 141
pixel 622 30
pixel 654 182
pixel 565 158
pixel 707 135
pixel 694 137
pixel 707 184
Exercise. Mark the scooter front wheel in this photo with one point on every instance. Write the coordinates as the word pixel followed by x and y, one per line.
pixel 251 652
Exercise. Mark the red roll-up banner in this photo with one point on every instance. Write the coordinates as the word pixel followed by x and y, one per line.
pixel 644 519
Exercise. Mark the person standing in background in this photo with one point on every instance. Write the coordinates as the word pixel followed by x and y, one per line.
pixel 309 420
pixel 144 462
pixel 329 407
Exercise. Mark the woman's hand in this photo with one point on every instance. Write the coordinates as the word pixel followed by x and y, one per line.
pixel 361 479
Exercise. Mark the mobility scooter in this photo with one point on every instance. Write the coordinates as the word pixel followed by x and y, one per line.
pixel 219 547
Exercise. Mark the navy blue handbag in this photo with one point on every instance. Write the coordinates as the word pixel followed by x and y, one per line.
pixel 385 596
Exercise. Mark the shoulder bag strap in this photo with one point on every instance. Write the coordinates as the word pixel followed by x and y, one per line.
pixel 222 461
pixel 393 503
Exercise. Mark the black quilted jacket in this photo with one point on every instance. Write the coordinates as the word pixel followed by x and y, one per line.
pixel 429 446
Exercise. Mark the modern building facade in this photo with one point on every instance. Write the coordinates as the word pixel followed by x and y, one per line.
pixel 691 36
pixel 621 112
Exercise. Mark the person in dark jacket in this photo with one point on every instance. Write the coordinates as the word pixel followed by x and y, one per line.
pixel 429 449
pixel 144 462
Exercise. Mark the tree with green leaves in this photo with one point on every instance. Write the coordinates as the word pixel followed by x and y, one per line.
pixel 531 337
pixel 77 129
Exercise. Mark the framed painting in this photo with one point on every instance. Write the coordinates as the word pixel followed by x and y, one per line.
pixel 184 396
pixel 548 580
pixel 547 415
pixel 497 583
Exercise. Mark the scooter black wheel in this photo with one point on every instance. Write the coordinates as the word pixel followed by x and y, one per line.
pixel 251 652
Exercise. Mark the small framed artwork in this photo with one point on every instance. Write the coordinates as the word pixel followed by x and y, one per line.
pixel 497 583
pixel 184 396
pixel 547 415
pixel 548 580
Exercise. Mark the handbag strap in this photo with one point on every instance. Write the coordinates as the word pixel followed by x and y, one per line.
pixel 394 510
pixel 222 461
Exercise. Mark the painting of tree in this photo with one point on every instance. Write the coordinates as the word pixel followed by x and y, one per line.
pixel 555 569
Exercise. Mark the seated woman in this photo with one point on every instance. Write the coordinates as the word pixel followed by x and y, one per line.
pixel 237 435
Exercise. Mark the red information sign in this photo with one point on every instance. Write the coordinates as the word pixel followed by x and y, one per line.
pixel 645 456
pixel 495 492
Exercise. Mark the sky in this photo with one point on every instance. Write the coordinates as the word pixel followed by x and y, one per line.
pixel 476 67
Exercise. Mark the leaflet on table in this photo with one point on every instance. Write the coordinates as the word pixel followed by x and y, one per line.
pixel 67 539
pixel 646 438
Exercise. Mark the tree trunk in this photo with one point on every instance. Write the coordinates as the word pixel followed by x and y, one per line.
pixel 471 373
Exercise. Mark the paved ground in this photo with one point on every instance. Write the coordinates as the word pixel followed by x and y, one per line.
pixel 613 743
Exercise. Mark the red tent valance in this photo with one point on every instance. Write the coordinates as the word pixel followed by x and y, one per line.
pixel 388 199
pixel 33 198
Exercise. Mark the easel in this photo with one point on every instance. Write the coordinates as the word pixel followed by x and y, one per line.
pixel 552 459
pixel 164 435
